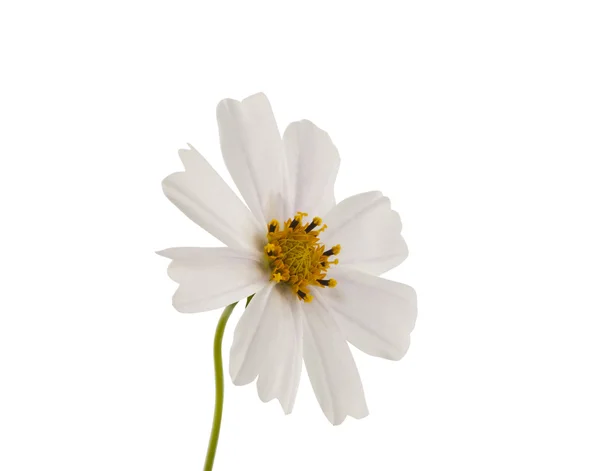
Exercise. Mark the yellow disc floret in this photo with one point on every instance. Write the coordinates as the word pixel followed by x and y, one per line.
pixel 296 257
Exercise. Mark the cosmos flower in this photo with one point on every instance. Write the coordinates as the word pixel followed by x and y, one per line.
pixel 312 265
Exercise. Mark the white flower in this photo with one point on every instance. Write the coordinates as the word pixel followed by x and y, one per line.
pixel 316 280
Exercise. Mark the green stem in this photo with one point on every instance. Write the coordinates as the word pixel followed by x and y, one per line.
pixel 219 389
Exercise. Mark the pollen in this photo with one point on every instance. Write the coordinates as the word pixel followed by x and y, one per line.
pixel 297 258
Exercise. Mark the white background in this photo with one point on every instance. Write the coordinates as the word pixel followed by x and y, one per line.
pixel 479 119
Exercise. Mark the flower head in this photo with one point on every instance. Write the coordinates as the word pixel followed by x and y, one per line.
pixel 312 264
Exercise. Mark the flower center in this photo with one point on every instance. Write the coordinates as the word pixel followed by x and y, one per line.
pixel 296 257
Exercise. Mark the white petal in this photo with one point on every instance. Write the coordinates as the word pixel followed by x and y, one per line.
pixel 330 366
pixel 210 278
pixel 280 371
pixel 312 163
pixel 247 351
pixel 206 199
pixel 253 150
pixel 256 338
pixel 376 315
pixel 368 231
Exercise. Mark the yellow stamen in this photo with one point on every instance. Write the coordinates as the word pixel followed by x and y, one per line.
pixel 296 257
pixel 276 277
